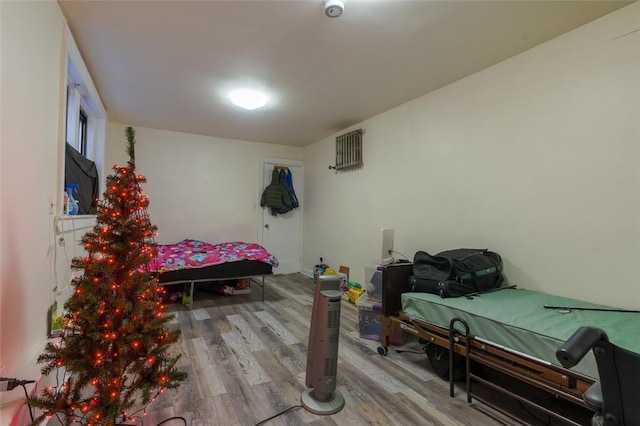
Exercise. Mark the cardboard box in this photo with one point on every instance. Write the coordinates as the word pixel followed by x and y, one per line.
pixel 344 270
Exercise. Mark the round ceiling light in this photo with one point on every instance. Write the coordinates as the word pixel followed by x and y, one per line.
pixel 333 8
pixel 247 99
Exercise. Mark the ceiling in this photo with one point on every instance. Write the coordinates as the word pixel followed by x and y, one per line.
pixel 169 64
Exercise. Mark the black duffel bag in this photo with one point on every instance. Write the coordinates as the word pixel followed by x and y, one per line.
pixel 458 272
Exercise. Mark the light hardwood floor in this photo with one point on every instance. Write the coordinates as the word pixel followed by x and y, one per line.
pixel 246 361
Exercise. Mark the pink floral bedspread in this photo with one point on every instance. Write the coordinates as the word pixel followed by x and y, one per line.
pixel 194 254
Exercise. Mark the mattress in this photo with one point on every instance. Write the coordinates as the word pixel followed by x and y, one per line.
pixel 199 261
pixel 517 320
pixel 196 254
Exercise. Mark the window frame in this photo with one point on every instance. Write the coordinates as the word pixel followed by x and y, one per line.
pixel 82 131
pixel 81 95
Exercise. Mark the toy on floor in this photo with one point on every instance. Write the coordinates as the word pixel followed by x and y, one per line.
pixel 186 299
pixel 226 290
pixel 319 269
pixel 175 296
pixel 355 291
pixel 242 284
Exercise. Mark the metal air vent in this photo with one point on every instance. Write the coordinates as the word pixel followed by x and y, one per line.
pixel 349 150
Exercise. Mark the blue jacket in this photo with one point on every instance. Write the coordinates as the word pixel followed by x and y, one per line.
pixel 287 181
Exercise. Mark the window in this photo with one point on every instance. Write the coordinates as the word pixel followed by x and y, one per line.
pixel 78 125
pixel 85 125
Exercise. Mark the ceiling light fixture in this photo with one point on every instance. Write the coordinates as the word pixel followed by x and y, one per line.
pixel 247 99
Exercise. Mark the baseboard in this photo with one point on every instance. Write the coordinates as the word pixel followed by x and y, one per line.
pixel 307 272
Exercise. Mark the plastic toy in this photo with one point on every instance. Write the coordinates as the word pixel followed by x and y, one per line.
pixel 226 290
pixel 72 204
pixel 354 292
pixel 186 299
pixel 319 269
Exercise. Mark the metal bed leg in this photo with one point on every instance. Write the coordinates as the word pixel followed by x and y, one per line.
pixel 260 284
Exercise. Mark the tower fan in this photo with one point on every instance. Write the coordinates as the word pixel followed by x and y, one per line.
pixel 321 396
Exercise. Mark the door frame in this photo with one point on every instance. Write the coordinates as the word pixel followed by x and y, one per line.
pixel 299 195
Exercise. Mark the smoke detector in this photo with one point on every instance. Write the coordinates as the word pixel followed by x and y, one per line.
pixel 333 8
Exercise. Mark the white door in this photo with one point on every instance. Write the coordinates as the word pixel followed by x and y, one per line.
pixel 281 234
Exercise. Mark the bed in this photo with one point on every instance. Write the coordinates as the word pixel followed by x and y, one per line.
pixel 509 331
pixel 193 262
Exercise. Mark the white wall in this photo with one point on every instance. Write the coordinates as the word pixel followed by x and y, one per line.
pixel 199 187
pixel 31 87
pixel 536 157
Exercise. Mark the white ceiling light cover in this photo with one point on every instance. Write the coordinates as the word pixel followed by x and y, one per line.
pixel 248 99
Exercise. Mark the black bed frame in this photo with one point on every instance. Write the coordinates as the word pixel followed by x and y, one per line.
pixel 252 270
pixel 530 372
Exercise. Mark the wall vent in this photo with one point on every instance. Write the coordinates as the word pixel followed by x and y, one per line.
pixel 349 150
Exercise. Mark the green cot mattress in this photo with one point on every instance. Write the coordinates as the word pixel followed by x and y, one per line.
pixel 517 320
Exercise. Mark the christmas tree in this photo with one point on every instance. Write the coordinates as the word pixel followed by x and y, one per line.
pixel 113 354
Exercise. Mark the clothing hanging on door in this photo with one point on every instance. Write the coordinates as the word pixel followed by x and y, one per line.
pixel 286 180
pixel 275 195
